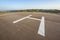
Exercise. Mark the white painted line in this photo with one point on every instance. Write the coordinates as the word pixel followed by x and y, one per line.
pixel 41 30
pixel 21 19
pixel 34 18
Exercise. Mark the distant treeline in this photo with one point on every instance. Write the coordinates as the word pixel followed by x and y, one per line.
pixel 36 10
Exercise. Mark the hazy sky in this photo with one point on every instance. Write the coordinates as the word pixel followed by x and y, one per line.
pixel 29 4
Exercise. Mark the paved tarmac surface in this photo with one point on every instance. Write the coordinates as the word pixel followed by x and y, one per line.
pixel 27 29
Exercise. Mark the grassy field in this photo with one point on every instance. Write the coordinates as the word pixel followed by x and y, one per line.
pixel 2 12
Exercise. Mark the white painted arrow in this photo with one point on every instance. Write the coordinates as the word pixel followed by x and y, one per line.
pixel 41 30
pixel 21 19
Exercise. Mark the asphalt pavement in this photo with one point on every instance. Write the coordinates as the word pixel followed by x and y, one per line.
pixel 27 29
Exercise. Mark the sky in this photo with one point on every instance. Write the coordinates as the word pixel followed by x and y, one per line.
pixel 29 4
